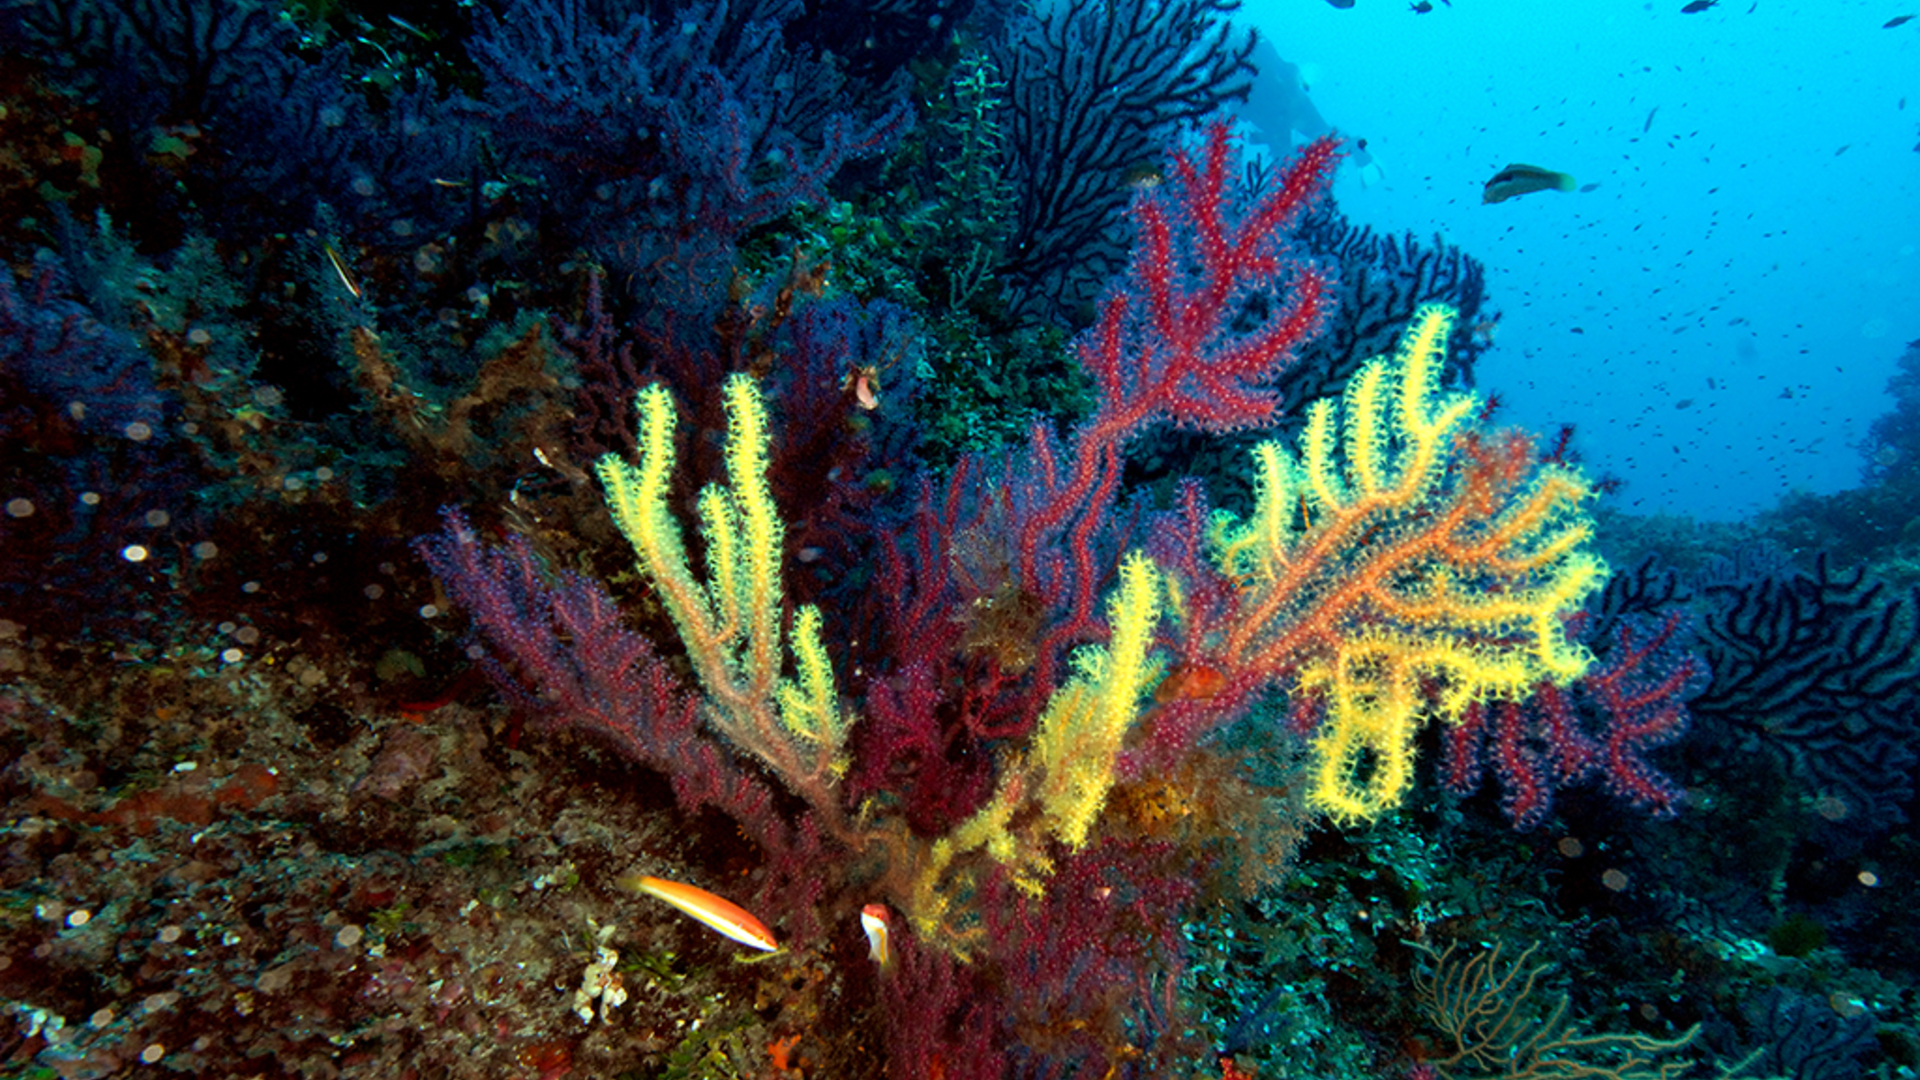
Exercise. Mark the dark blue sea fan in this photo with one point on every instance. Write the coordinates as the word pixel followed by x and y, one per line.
pixel 271 132
pixel 151 61
pixel 1799 1038
pixel 660 142
pixel 1822 668
pixel 1098 88
pixel 389 172
pixel 62 352
pixel 1383 280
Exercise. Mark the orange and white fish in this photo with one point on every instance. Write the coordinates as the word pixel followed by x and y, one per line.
pixel 717 912
pixel 876 920
pixel 864 381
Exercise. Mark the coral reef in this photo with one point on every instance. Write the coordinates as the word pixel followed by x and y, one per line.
pixel 460 462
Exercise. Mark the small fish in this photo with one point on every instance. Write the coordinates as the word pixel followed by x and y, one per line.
pixel 409 28
pixel 717 912
pixel 1516 180
pixel 864 381
pixel 1698 6
pixel 1341 4
pixel 875 919
pixel 1595 186
pixel 1648 126
pixel 1421 8
pixel 1197 682
pixel 1895 21
pixel 1143 176
pixel 340 268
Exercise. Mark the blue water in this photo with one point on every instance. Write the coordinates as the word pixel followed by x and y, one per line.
pixel 1720 315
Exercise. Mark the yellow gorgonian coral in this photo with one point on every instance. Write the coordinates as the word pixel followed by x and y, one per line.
pixel 1404 565
pixel 731 624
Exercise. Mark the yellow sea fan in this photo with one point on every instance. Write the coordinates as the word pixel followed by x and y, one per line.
pixel 1404 567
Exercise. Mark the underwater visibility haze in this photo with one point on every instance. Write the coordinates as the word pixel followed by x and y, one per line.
pixel 1721 307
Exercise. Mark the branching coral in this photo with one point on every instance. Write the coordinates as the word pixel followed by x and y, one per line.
pixel 731 626
pixel 1402 567
pixel 1486 1008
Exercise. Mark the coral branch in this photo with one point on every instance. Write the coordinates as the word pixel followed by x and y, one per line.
pixel 731 626
pixel 1421 569
pixel 557 647
pixel 1172 344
